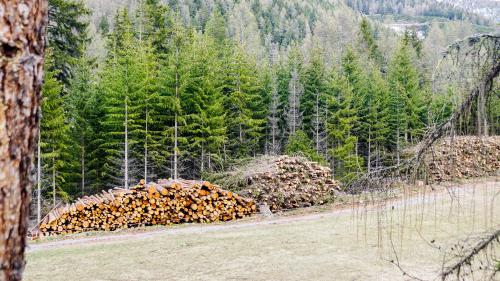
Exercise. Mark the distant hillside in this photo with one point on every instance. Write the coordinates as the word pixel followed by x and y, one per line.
pixel 487 8
pixel 478 12
pixel 268 27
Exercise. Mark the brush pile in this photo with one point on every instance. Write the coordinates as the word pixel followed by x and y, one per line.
pixel 282 182
pixel 463 157
pixel 168 202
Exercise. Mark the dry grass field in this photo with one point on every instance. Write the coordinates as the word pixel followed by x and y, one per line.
pixel 352 243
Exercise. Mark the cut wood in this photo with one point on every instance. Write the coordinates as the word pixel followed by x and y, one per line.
pixel 167 202
pixel 282 182
pixel 463 157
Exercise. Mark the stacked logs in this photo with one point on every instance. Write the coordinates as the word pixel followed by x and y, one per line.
pixel 283 182
pixel 463 157
pixel 168 202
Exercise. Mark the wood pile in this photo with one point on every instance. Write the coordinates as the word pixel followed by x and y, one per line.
pixel 463 157
pixel 282 182
pixel 168 202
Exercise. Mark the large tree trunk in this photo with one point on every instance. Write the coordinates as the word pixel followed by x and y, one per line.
pixel 22 24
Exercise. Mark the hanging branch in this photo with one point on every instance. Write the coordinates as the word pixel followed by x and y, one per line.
pixel 467 259
pixel 478 55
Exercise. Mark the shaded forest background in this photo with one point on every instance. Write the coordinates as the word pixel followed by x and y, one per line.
pixel 151 89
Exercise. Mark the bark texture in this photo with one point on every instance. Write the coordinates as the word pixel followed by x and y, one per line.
pixel 22 33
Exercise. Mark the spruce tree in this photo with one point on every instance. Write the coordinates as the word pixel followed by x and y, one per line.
pixel 67 35
pixel 341 122
pixel 246 125
pixel 174 79
pixel 368 42
pixel 313 104
pixel 124 81
pixel 54 131
pixel 301 144
pixel 81 112
pixel 406 101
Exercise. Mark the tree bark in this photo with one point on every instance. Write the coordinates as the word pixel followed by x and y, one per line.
pixel 22 44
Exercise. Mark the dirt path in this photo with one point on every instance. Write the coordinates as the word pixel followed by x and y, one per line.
pixel 309 214
pixel 349 242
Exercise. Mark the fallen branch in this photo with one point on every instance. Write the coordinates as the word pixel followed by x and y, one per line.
pixel 468 258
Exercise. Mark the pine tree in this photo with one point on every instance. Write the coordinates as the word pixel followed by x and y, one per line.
pixel 216 27
pixel 67 35
pixel 154 23
pixel 283 76
pixel 368 43
pixel 294 113
pixel 301 144
pixel 246 126
pixel 406 101
pixel 376 116
pixel 273 118
pixel 124 81
pixel 202 104
pixel 341 122
pixel 174 81
pixel 313 104
pixel 54 131
pixel 148 98
pixel 81 90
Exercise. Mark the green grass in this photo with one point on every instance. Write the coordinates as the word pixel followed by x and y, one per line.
pixel 337 246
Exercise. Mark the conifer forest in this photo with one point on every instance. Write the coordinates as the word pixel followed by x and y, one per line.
pixel 183 89
pixel 292 139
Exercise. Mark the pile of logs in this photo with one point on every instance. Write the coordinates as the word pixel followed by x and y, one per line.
pixel 168 202
pixel 284 182
pixel 463 157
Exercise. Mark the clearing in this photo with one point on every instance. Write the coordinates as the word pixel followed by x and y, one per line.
pixel 354 242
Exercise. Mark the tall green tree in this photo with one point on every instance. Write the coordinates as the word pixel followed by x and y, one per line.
pixel 154 22
pixel 126 84
pixel 313 105
pixel 174 79
pixel 406 101
pixel 54 131
pixel 67 35
pixel 246 124
pixel 368 42
pixel 343 151
pixel 82 115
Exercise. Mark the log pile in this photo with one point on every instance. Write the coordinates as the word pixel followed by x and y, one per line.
pixel 168 202
pixel 463 157
pixel 282 182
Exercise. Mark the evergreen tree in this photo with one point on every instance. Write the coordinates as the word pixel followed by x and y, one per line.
pixel 81 113
pixel 124 83
pixel 368 43
pixel 216 27
pixel 376 116
pixel 202 105
pixel 406 101
pixel 295 91
pixel 301 144
pixel 54 131
pixel 273 118
pixel 341 122
pixel 67 35
pixel 313 104
pixel 174 81
pixel 246 126
pixel 154 23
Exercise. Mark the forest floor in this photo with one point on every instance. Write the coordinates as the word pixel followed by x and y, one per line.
pixel 341 241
